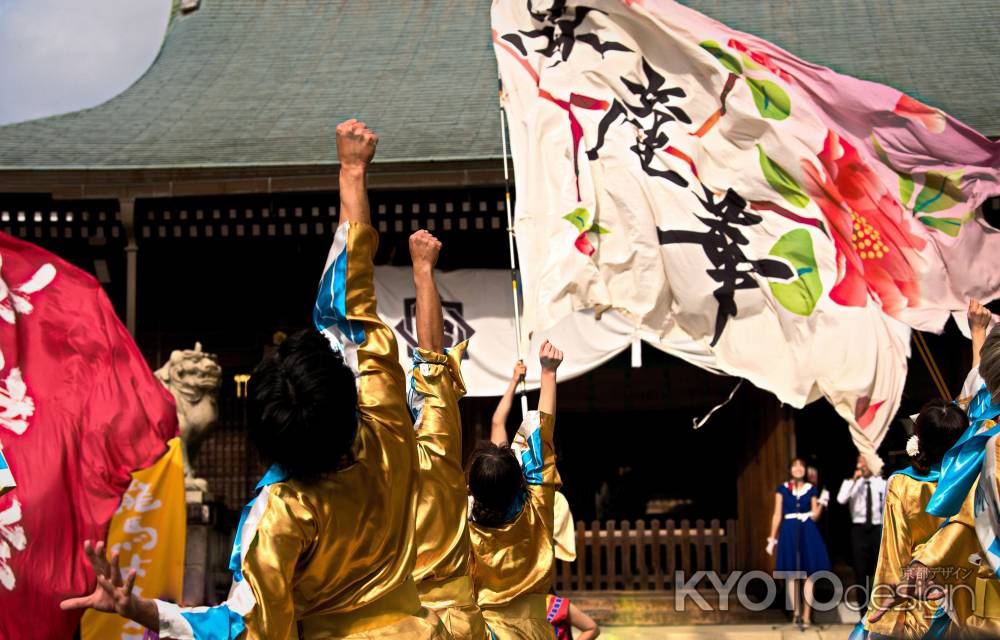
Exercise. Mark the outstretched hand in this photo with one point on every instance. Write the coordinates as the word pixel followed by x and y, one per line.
pixel 112 594
pixel 355 144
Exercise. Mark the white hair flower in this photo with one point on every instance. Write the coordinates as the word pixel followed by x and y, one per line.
pixel 913 446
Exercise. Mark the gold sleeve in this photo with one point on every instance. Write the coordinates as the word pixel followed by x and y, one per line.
pixel 381 383
pixel 954 542
pixel 441 518
pixel 270 564
pixel 550 475
pixel 894 552
pixel 535 446
pixel 438 385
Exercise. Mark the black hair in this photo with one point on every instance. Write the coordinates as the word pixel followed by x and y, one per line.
pixel 937 428
pixel 495 482
pixel 303 407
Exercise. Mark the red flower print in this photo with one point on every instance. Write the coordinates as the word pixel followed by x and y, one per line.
pixel 869 230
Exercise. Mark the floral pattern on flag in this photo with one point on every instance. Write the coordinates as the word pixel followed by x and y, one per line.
pixel 771 219
pixel 69 455
pixel 16 406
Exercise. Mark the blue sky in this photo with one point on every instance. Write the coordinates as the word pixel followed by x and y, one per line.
pixel 58 56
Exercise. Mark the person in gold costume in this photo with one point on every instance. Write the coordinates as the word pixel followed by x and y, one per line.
pixel 513 495
pixel 956 547
pixel 906 526
pixel 436 385
pixel 327 547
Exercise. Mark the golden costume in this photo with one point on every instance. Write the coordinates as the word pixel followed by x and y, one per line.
pixel 565 530
pixel 905 528
pixel 954 547
pixel 513 564
pixel 442 524
pixel 334 558
pixel 958 545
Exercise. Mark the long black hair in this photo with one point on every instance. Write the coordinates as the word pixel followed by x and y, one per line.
pixel 496 482
pixel 303 407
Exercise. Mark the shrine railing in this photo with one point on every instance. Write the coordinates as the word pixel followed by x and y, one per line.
pixel 645 557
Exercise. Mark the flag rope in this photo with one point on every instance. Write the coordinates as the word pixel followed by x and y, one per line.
pixel 929 362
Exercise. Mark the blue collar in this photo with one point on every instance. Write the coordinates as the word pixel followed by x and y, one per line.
pixel 931 476
pixel 516 507
pixel 271 476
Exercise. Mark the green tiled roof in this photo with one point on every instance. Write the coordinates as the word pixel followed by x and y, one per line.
pixel 263 82
pixel 258 82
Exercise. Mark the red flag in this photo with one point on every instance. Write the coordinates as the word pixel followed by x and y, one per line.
pixel 79 411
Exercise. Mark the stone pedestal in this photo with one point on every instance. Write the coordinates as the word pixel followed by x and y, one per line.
pixel 197 556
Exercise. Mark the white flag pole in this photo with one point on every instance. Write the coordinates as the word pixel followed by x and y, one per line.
pixel 510 244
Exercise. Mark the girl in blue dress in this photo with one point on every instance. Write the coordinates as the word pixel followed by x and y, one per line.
pixel 794 533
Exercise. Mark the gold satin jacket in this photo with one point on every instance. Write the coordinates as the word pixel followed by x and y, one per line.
pixel 905 527
pixel 518 558
pixel 350 538
pixel 334 558
pixel 443 547
pixel 953 546
pixel 442 521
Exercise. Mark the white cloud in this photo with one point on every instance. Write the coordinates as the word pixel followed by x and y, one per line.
pixel 58 56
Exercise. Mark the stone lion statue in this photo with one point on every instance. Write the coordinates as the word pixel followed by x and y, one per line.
pixel 193 378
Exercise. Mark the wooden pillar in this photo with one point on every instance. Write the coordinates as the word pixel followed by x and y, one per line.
pixel 126 207
pixel 769 448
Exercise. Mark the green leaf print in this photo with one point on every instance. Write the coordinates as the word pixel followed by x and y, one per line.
pixel 727 59
pixel 800 295
pixel 939 193
pixel 780 181
pixel 772 101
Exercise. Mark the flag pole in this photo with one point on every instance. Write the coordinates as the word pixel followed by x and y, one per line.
pixel 510 244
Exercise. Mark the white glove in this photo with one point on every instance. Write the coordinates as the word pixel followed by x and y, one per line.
pixel 771 544
pixel 824 498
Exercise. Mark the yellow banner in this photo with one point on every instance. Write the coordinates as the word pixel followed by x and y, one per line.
pixel 148 531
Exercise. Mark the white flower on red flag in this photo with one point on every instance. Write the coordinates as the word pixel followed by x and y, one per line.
pixel 14 300
pixel 16 406
pixel 11 535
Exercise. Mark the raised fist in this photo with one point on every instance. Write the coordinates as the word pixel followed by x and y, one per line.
pixel 355 144
pixel 979 317
pixel 424 249
pixel 550 357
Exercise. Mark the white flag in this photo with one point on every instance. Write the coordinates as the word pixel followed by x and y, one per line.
pixel 755 214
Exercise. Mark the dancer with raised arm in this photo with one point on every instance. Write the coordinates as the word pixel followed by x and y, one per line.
pixel 513 492
pixel 443 546
pixel 327 548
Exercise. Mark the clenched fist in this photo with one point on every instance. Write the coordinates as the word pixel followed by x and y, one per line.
pixel 424 249
pixel 549 357
pixel 979 317
pixel 355 144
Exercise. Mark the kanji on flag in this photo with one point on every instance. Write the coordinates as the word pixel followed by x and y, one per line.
pixel 79 411
pixel 750 212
